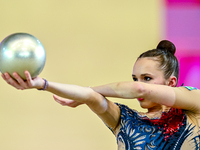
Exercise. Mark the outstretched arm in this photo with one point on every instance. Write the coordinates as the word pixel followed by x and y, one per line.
pixel 106 110
pixel 178 97
pixel 75 92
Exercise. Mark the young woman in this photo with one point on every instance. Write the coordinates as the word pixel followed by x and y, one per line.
pixel 173 113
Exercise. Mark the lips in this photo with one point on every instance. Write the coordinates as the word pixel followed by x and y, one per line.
pixel 140 99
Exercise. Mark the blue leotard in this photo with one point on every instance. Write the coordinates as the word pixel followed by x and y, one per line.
pixel 169 132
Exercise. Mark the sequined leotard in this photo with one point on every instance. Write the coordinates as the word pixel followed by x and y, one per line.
pixel 169 132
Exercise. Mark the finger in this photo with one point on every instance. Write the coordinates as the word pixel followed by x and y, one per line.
pixel 6 77
pixel 28 78
pixel 62 101
pixel 11 81
pixel 56 97
pixel 3 76
pixel 20 80
pixel 59 99
pixel 68 102
pixel 28 75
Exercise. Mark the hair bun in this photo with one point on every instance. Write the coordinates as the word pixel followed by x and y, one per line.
pixel 166 45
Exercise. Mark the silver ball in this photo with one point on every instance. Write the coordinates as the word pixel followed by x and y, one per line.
pixel 20 52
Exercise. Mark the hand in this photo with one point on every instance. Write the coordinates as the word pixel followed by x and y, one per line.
pixel 19 83
pixel 66 102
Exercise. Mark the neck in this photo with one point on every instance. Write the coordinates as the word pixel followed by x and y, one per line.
pixel 158 109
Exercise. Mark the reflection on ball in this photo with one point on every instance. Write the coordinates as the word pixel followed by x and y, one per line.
pixel 20 52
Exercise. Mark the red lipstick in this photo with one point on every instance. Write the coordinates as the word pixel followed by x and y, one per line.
pixel 140 99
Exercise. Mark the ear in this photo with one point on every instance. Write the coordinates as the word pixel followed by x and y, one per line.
pixel 172 81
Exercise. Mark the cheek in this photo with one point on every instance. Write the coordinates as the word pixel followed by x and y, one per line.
pixel 161 82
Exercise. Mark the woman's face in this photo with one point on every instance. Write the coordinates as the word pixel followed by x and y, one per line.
pixel 147 70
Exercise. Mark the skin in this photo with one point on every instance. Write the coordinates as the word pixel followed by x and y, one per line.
pixel 147 70
pixel 72 95
pixel 155 93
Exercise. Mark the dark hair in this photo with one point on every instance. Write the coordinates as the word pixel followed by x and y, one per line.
pixel 164 54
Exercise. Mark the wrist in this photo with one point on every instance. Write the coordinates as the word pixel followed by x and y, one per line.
pixel 44 86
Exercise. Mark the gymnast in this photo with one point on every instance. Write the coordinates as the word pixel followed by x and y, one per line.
pixel 173 113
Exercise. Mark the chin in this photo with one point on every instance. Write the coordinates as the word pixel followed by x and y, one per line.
pixel 145 105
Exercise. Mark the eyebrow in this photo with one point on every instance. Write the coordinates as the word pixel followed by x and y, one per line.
pixel 145 74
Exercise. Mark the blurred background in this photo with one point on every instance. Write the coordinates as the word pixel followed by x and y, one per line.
pixel 88 43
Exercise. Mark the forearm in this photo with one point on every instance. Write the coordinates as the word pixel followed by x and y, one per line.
pixel 96 102
pixel 75 92
pixel 128 90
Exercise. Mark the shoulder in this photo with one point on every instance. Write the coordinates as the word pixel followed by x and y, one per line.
pixel 190 92
pixel 188 98
pixel 187 89
pixel 126 113
pixel 190 88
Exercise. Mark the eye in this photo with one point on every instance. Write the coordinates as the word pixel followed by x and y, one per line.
pixel 135 79
pixel 147 78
